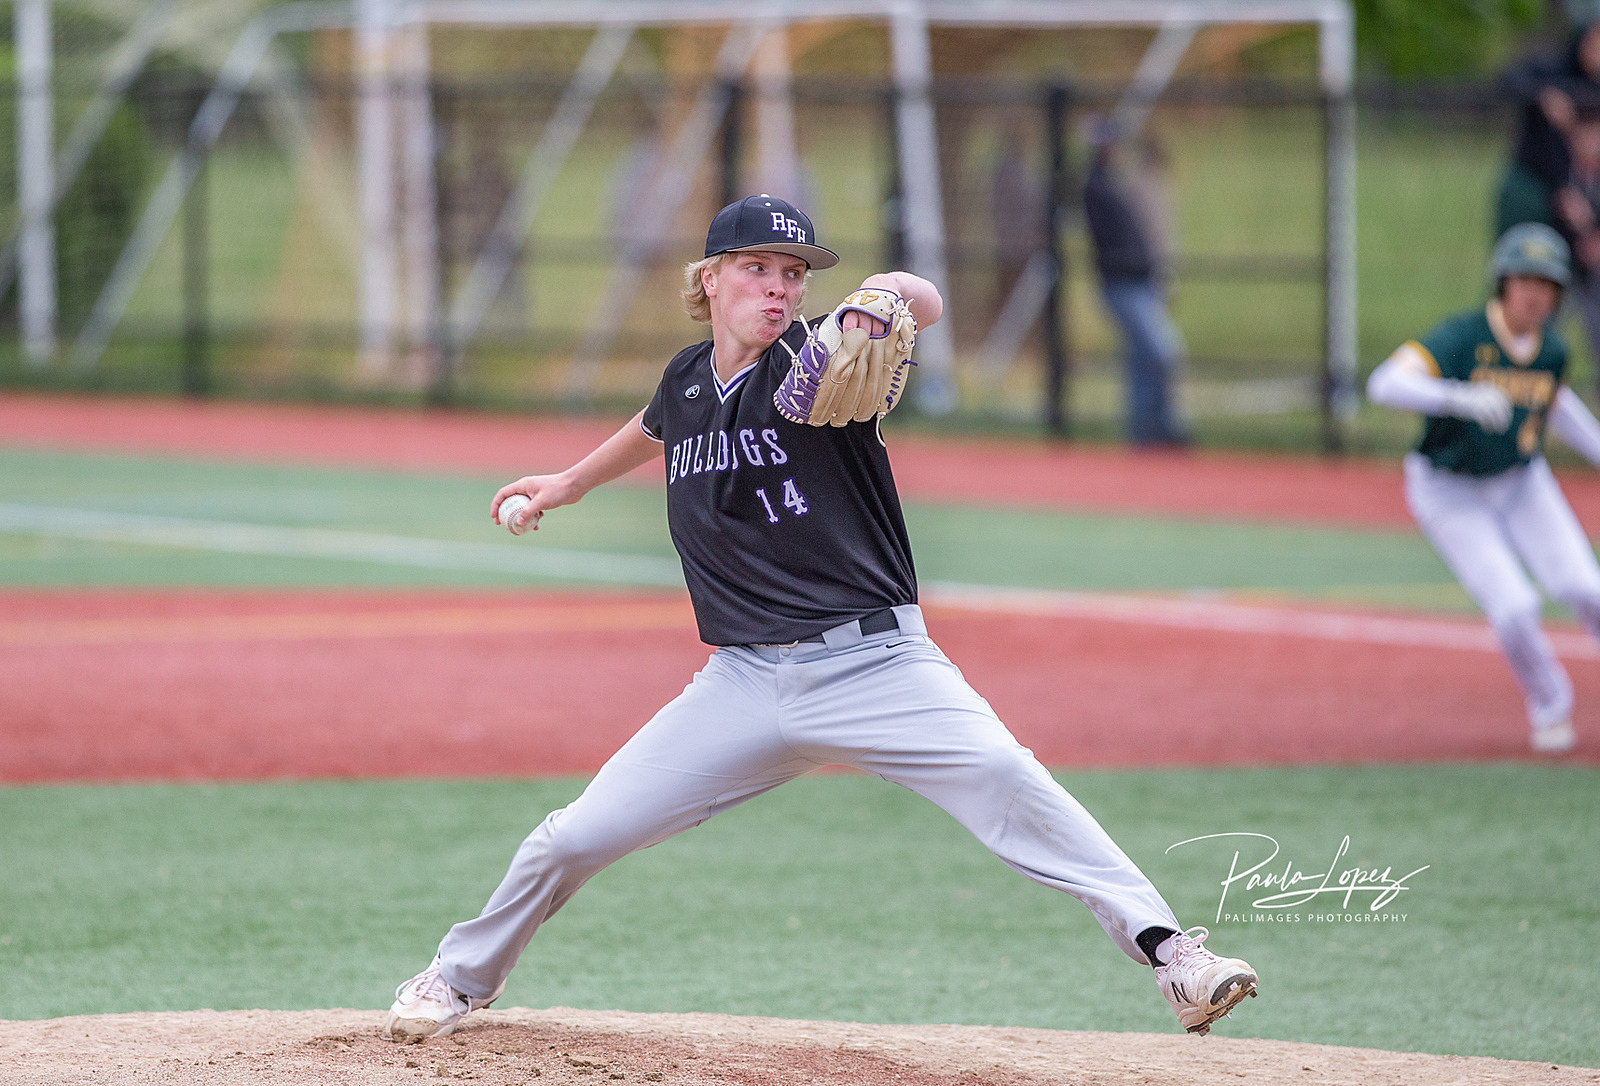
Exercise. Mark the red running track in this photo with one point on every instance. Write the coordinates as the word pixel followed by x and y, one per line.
pixel 142 685
pixel 1030 473
pixel 204 685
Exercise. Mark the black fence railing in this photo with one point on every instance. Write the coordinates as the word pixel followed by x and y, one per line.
pixel 255 288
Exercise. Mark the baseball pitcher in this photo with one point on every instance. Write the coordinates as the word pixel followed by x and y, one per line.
pixel 783 509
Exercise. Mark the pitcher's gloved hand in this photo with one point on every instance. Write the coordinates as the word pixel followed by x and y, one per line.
pixel 851 375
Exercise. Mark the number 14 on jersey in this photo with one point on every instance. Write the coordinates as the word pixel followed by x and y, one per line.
pixel 793 500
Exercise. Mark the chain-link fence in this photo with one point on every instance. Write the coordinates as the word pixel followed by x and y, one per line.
pixel 254 287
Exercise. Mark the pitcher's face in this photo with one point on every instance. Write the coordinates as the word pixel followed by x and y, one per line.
pixel 755 295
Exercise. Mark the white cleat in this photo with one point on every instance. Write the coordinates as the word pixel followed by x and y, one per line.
pixel 1557 738
pixel 1201 986
pixel 426 1006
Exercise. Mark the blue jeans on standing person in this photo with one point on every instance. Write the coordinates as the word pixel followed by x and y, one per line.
pixel 1154 351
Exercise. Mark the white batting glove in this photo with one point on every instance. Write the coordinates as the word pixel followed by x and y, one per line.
pixel 1481 403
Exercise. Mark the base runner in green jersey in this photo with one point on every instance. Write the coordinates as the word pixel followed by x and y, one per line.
pixel 1489 383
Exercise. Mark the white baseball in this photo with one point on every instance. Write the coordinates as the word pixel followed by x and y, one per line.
pixel 514 504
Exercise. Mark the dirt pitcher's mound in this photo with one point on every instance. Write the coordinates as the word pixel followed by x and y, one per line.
pixel 560 1046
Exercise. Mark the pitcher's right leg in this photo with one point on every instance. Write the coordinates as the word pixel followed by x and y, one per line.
pixel 711 748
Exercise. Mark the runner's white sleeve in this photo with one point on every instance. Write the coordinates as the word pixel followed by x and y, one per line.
pixel 1574 424
pixel 1406 382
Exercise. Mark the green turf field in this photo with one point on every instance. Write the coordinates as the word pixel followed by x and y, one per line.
pixel 835 897
pixel 965 544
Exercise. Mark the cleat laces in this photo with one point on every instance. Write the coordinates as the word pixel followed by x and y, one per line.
pixel 429 985
pixel 1187 944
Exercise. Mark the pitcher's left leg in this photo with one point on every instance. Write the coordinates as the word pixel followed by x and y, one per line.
pixel 893 705
pixel 929 731
pixel 901 710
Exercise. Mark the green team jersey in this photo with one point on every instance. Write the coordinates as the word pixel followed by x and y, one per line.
pixel 1465 347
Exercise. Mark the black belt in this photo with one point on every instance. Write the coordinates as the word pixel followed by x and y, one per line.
pixel 878 622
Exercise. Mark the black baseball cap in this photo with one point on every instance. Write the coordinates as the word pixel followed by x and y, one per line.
pixel 770 225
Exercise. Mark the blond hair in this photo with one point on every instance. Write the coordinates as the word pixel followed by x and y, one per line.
pixel 695 301
pixel 694 290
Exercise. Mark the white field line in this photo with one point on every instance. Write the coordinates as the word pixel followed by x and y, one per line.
pixel 394 550
pixel 536 561
pixel 1225 617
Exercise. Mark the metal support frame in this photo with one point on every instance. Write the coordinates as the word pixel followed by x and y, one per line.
pixel 923 208
pixel 37 298
pixel 1340 398
pixel 674 181
pixel 121 70
pixel 204 129
pixel 379 284
pixel 1154 73
pixel 515 222
pixel 419 222
pixel 910 22
pixel 777 159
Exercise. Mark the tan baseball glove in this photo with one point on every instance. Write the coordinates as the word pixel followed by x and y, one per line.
pixel 844 376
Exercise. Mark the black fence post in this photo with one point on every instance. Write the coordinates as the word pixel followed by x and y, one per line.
pixel 196 375
pixel 1057 330
pixel 1337 113
pixel 449 352
pixel 894 199
pixel 731 147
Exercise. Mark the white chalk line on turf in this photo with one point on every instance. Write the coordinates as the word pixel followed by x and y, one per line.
pixel 1220 616
pixel 394 550
pixel 538 561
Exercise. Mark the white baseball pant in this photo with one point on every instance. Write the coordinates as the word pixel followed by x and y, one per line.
pixel 757 716
pixel 1486 529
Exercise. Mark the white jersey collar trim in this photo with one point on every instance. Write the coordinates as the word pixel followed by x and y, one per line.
pixel 726 390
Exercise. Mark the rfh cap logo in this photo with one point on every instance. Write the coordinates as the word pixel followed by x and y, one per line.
pixel 788 227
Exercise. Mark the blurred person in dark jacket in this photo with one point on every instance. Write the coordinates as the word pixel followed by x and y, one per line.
pixel 1550 89
pixel 1577 217
pixel 1133 266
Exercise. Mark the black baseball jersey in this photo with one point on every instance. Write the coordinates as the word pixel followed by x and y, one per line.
pixel 784 529
pixel 1464 347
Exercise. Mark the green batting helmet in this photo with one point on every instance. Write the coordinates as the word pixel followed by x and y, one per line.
pixel 1531 248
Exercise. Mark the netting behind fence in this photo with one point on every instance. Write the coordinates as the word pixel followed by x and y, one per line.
pixel 256 283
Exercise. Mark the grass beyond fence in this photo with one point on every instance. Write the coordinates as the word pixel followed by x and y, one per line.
pixel 1247 185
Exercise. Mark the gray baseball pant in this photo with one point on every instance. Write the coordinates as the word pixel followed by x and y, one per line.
pixel 757 716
